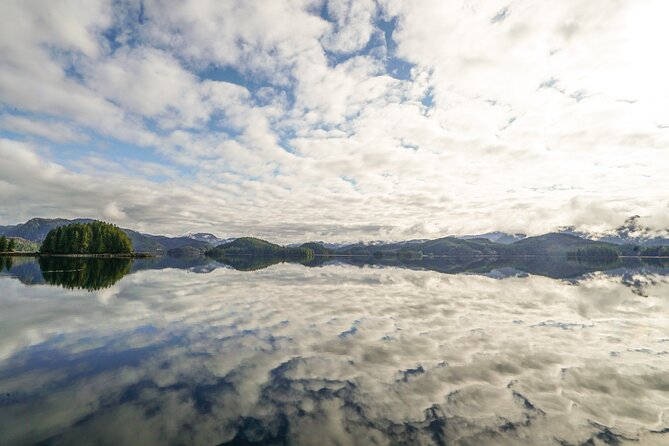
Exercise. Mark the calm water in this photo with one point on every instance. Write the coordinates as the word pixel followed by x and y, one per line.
pixel 178 351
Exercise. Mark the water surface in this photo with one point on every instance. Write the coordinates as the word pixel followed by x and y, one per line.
pixel 190 351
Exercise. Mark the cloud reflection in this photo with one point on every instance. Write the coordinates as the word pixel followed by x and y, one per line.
pixel 170 357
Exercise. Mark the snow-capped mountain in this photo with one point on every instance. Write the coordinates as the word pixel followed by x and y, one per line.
pixel 497 237
pixel 208 238
pixel 631 232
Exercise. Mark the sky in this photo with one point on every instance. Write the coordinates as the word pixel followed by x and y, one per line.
pixel 335 120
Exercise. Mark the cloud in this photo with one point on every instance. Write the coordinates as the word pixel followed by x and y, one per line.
pixel 353 25
pixel 52 131
pixel 266 118
pixel 113 212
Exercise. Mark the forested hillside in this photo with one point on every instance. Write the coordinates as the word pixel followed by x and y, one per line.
pixel 245 246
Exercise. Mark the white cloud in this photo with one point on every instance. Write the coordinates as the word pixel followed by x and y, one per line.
pixel 546 115
pixel 53 131
pixel 353 25
pixel 113 212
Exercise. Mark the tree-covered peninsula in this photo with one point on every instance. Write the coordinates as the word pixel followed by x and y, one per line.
pixel 251 246
pixel 87 238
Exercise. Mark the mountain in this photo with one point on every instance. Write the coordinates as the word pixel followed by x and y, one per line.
pixel 377 247
pixel 446 246
pixel 206 237
pixel 554 243
pixel 497 237
pixel 629 233
pixel 629 239
pixel 161 244
pixel 452 246
pixel 36 229
pixel 317 248
pixel 251 246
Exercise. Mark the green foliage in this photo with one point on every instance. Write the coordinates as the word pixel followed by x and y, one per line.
pixel 7 244
pixel 85 273
pixel 23 245
pixel 87 238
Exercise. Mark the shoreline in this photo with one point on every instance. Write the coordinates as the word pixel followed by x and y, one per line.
pixel 133 255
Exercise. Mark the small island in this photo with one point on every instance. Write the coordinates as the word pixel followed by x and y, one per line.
pixel 96 239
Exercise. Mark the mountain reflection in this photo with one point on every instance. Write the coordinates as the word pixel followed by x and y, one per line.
pixel 251 263
pixel 554 267
pixel 98 273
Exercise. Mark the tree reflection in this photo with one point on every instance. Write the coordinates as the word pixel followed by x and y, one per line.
pixel 6 263
pixel 84 273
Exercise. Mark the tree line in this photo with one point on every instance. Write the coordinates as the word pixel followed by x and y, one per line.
pixel 7 244
pixel 87 238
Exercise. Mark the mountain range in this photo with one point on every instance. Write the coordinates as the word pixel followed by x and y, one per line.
pixel 566 239
pixel 552 244
pixel 629 233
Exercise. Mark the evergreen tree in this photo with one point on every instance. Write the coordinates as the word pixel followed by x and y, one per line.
pixel 3 244
pixel 11 246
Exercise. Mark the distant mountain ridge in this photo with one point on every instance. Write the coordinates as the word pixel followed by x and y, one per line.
pixel 551 244
pixel 36 229
pixel 629 239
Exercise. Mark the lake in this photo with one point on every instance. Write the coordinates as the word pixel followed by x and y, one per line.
pixel 337 352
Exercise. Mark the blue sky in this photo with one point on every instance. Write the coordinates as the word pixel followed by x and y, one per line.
pixel 346 120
